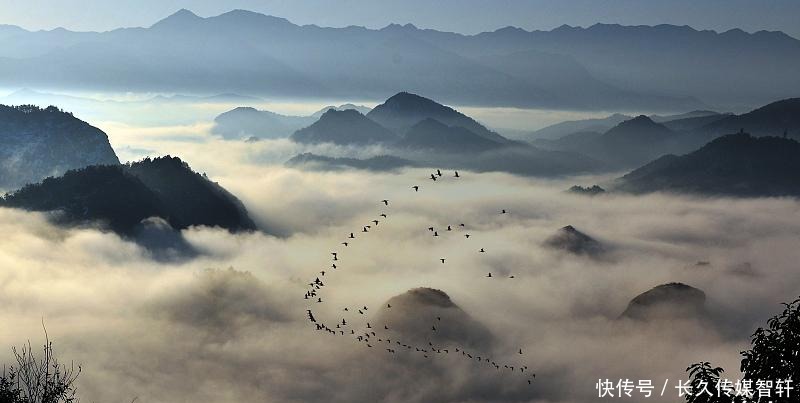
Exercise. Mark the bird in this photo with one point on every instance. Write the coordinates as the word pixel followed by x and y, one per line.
pixel 520 351
pixel 436 233
pixel 352 236
pixel 482 251
pixel 311 316
pixel 430 228
pixel 322 272
pixel 462 224
pixel 442 260
pixel 438 172
pixel 364 230
pixel 466 236
pixel 503 211
pixel 449 228
pixel 416 188
pixel 383 215
pixel 376 222
pixel 433 178
pixel 345 243
pixel 333 266
pixel 319 299
pixel 511 276
pixel 386 202
pixel 388 305
pixel 433 328
pixel 489 275
pixel 456 175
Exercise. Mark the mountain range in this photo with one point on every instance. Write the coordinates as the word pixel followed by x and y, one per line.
pixel 642 139
pixel 604 66
pixel 249 122
pixel 36 143
pixel 422 132
pixel 732 165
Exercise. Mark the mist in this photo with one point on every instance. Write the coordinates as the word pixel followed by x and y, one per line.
pixel 229 325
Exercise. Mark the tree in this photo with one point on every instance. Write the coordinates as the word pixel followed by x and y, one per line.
pixel 773 357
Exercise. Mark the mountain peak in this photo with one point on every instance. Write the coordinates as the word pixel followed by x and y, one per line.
pixel 178 19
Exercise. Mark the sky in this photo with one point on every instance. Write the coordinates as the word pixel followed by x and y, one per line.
pixel 466 16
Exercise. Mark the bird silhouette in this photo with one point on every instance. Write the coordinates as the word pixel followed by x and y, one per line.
pixel 376 222
pixel 449 228
pixel 435 233
pixel 442 260
pixel 456 175
pixel 416 188
pixel 438 172
pixel 503 211
pixel 433 177
pixel 467 236
pixel 345 243
pixel 482 250
pixel 386 202
pixel 383 215
pixel 489 275
pixel 352 236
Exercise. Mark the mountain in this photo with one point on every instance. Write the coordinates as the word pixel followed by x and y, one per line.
pixel 432 135
pixel 733 165
pixel 427 141
pixel 36 143
pixel 316 162
pixel 630 143
pixel 404 110
pixel 770 120
pixel 344 127
pixel 247 122
pixel 692 124
pixel 571 240
pixel 412 315
pixel 360 108
pixel 667 301
pixel 562 129
pixel 120 197
pixel 658 68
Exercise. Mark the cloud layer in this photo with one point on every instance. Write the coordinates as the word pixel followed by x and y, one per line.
pixel 229 324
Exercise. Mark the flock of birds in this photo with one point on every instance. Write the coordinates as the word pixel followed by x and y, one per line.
pixel 376 337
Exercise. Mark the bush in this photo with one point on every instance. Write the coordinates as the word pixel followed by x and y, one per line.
pixel 36 379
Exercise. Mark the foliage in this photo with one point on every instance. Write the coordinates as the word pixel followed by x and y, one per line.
pixel 773 356
pixel 36 379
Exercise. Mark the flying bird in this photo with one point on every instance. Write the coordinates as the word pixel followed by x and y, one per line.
pixel 376 222
pixel 442 260
pixel 457 175
pixel 503 211
pixel 466 236
pixel 386 202
pixel 482 250
pixel 345 243
pixel 383 215
pixel 438 172
pixel 416 188
pixel 489 275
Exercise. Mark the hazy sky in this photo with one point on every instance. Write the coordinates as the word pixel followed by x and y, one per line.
pixel 467 16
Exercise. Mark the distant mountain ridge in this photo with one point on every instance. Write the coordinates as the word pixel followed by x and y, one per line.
pixel 36 143
pixel 624 67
